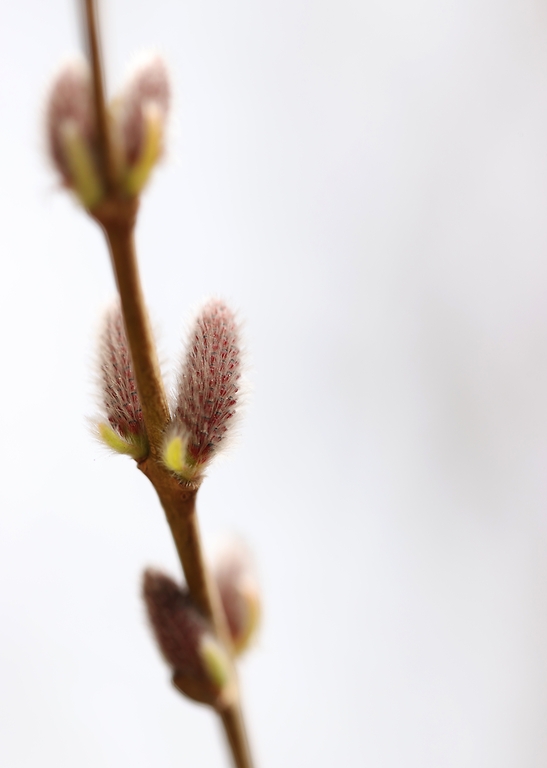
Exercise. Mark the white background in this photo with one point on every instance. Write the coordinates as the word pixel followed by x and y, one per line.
pixel 366 181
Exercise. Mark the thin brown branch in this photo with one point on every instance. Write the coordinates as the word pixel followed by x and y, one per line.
pixel 234 728
pixel 106 161
pixel 179 504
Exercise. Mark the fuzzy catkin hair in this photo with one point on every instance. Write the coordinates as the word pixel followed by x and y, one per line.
pixel 149 84
pixel 70 101
pixel 235 575
pixel 119 390
pixel 177 625
pixel 209 382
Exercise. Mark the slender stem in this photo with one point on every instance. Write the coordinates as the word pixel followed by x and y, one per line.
pixel 103 135
pixel 179 504
pixel 234 728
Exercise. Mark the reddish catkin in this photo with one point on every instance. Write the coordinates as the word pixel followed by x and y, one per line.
pixel 120 397
pixel 70 102
pixel 235 575
pixel 176 624
pixel 148 86
pixel 201 668
pixel 209 382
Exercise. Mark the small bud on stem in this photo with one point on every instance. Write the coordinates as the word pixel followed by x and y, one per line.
pixel 201 667
pixel 235 575
pixel 141 113
pixel 71 131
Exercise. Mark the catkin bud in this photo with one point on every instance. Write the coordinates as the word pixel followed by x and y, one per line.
pixel 124 432
pixel 140 116
pixel 201 668
pixel 207 392
pixel 71 132
pixel 235 575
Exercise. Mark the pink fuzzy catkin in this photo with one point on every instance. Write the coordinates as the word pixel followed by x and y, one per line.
pixel 201 668
pixel 209 382
pixel 70 101
pixel 149 85
pixel 235 575
pixel 119 390
pixel 175 622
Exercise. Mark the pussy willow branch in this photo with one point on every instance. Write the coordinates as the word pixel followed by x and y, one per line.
pixel 117 217
pixel 178 500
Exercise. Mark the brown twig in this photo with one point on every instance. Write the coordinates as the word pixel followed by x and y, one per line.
pixel 116 215
pixel 234 728
pixel 91 29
